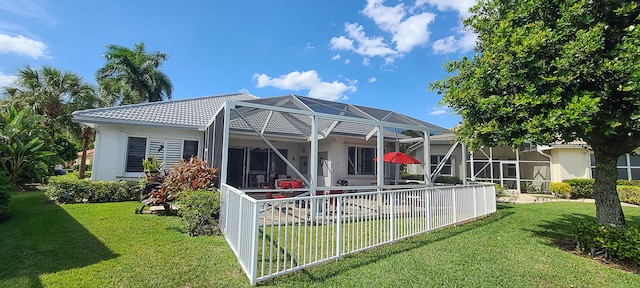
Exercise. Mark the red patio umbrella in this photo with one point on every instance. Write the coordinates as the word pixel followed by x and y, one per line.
pixel 398 157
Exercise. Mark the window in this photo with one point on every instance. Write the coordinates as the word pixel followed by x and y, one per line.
pixel 168 151
pixel 190 149
pixel 628 166
pixel 446 169
pixel 361 161
pixel 136 151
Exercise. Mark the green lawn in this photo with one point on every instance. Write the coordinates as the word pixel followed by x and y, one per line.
pixel 107 245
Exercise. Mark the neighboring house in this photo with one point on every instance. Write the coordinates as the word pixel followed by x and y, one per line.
pixel 529 168
pixel 89 158
pixel 261 139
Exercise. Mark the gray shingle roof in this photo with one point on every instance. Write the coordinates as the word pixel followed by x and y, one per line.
pixel 195 113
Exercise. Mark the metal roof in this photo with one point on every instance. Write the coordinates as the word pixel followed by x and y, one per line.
pixel 194 113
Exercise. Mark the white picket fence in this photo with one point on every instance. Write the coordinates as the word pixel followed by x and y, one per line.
pixel 277 236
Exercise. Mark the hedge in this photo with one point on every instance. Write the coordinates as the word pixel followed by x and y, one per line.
pixel 448 180
pixel 621 243
pixel 69 189
pixel 580 188
pixel 629 194
pixel 560 189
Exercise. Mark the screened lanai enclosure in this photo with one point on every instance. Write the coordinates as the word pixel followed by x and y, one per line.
pixel 316 141
pixel 316 148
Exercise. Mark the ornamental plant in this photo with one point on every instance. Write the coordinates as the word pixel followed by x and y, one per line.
pixel 192 174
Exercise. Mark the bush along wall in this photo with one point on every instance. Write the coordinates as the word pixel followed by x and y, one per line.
pixel 580 188
pixel 69 189
pixel 199 210
pixel 621 243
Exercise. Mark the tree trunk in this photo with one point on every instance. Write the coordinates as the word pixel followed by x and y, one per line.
pixel 608 208
pixel 87 132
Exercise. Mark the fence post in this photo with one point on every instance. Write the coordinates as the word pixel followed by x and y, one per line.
pixel 475 205
pixel 392 210
pixel 428 206
pixel 254 243
pixel 455 208
pixel 339 226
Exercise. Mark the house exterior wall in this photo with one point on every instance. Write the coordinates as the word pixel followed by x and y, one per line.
pixel 569 163
pixel 111 147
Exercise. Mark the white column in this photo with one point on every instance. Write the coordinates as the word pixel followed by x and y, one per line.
pixel 464 164
pixel 225 143
pixel 427 158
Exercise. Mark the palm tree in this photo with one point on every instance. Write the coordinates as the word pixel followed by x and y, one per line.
pixel 55 95
pixel 86 99
pixel 133 76
pixel 47 91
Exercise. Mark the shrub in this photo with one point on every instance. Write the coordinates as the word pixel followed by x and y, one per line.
pixel 70 189
pixel 621 243
pixel 199 210
pixel 580 188
pixel 5 196
pixel 448 180
pixel 629 194
pixel 407 176
pixel 560 189
pixel 501 191
pixel 621 182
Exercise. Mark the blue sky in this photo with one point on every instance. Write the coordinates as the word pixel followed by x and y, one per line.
pixel 374 53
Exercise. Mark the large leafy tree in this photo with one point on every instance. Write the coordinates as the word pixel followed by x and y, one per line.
pixel 546 71
pixel 133 76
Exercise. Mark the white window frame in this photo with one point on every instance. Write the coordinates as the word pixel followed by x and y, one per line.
pixel 358 147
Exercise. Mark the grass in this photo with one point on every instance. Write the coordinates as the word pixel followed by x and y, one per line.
pixel 107 245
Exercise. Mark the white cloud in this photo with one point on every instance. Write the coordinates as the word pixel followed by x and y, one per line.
pixel 464 42
pixel 307 80
pixel 366 61
pixel 335 57
pixel 406 34
pixel 438 111
pixel 341 43
pixel 365 46
pixel 407 30
pixel 372 79
pixel 27 8
pixel 309 46
pixel 22 45
pixel 347 61
pixel 7 80
pixel 461 6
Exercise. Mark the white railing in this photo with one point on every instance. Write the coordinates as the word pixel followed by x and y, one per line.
pixel 277 236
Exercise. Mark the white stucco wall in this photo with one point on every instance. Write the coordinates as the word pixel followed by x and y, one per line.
pixel 111 147
pixel 569 163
